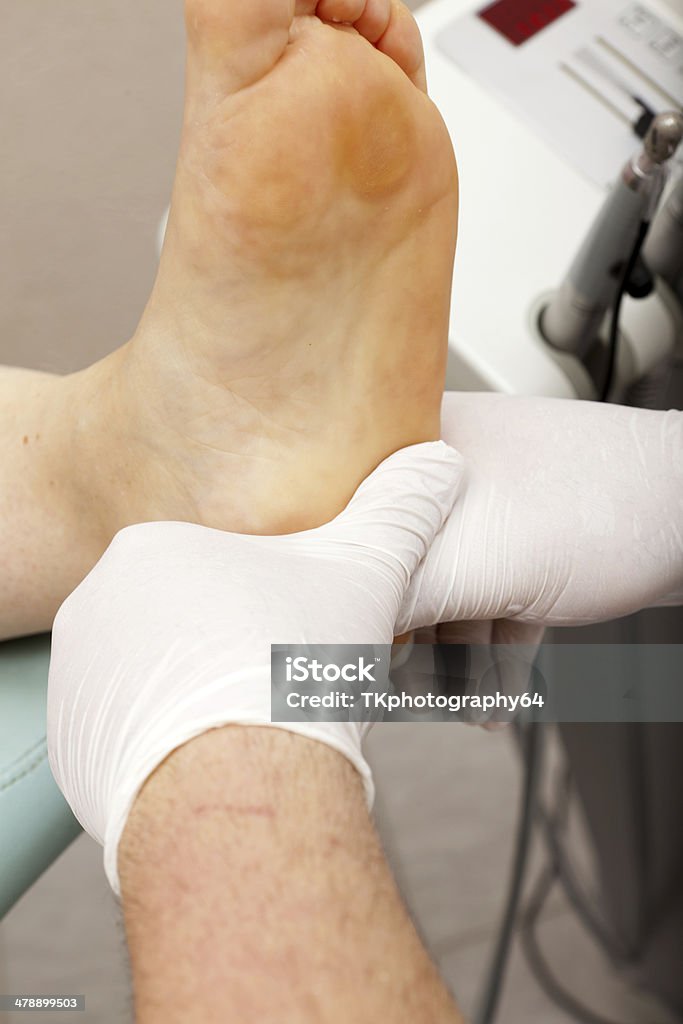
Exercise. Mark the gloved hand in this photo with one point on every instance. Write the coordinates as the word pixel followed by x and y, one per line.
pixel 512 675
pixel 170 633
pixel 571 512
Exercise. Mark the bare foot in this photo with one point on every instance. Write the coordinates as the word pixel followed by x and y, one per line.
pixel 297 330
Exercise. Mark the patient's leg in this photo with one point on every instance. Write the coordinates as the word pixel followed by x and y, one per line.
pixel 50 525
pixel 255 890
pixel 297 330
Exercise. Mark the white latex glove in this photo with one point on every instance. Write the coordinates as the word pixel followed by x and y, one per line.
pixel 571 512
pixel 170 633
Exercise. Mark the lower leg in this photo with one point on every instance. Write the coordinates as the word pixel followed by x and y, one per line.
pixel 50 535
pixel 255 889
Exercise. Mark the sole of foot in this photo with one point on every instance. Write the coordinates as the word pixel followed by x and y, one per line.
pixel 297 331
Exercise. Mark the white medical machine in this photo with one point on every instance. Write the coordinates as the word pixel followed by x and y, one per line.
pixel 547 101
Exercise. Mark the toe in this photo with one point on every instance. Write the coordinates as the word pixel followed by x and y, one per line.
pixel 340 10
pixel 374 21
pixel 403 43
pixel 239 42
pixel 387 24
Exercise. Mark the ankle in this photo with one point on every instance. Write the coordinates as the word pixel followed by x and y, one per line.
pixel 112 466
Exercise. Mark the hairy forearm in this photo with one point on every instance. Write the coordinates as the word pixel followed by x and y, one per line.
pixel 48 534
pixel 255 889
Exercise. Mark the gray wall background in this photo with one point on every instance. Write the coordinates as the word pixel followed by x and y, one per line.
pixel 90 108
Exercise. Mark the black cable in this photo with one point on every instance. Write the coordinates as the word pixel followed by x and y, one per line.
pixel 536 960
pixel 552 826
pixel 616 309
pixel 552 874
pixel 641 125
pixel 557 870
pixel 533 749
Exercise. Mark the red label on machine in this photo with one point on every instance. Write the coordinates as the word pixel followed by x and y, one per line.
pixel 519 20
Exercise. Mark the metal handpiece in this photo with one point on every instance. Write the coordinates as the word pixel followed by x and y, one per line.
pixel 663 251
pixel 575 314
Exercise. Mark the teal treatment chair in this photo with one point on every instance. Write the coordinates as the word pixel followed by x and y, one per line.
pixel 36 823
